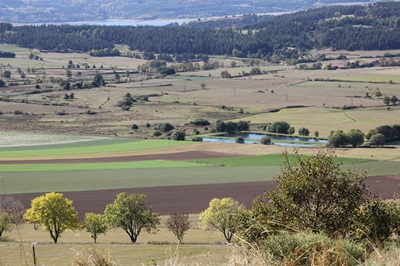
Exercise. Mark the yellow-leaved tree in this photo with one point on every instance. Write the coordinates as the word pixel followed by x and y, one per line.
pixel 54 212
pixel 222 214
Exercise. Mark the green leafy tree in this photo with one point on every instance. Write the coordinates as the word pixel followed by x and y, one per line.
pixel 223 215
pixel 337 139
pixel 68 73
pixel 394 100
pixel 291 130
pixel 178 224
pixel 178 135
pixel 243 126
pixel 2 83
pixel 386 100
pixel 378 221
pixel 378 93
pixel 240 140
pixel 265 140
pixel 53 211
pixel 95 224
pixel 313 194
pixel 304 131
pixel 377 139
pixel 11 213
pixel 98 80
pixel 281 127
pixel 131 214
pixel 355 137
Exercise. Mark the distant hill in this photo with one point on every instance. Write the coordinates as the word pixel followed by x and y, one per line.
pixel 277 38
pixel 45 11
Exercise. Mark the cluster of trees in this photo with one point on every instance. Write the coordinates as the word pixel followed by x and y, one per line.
pixel 387 100
pixel 355 137
pixel 105 52
pixel 128 212
pixel 231 127
pixel 313 195
pixel 389 133
pixel 7 55
pixel 338 138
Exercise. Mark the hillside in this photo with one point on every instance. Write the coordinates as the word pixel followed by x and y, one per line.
pixel 276 38
pixel 44 11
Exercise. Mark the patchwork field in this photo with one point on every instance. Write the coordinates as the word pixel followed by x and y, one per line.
pixel 86 147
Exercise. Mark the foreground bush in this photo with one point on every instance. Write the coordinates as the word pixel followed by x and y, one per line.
pixel 299 249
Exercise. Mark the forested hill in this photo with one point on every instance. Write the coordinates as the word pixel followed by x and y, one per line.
pixel 372 27
pixel 42 11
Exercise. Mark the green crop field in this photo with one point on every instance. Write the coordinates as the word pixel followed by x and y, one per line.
pixel 325 120
pixel 372 78
pixel 94 166
pixel 265 160
pixel 63 181
pixel 134 145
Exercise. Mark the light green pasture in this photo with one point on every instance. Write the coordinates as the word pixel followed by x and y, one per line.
pixel 325 119
pixel 265 160
pixel 83 180
pixel 134 145
pixel 372 78
pixel 94 166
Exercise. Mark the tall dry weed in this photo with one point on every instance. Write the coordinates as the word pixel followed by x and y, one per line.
pixel 93 257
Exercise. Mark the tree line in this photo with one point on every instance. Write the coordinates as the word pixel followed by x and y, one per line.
pixel 372 27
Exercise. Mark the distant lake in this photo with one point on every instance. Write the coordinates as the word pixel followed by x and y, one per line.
pixel 156 22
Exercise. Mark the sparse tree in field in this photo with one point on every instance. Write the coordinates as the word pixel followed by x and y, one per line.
pixel 223 215
pixel 2 83
pixel 11 213
pixel 66 96
pixel 265 140
pixel 304 131
pixel 54 212
pixel 178 224
pixel 178 135
pixel 131 214
pixel 225 74
pixel 203 85
pixel 98 80
pixel 240 140
pixel 233 63
pixel 135 127
pixel 6 74
pixel 291 130
pixel 68 73
pixel 355 137
pixel 377 139
pixel 316 134
pixel 394 100
pixel 378 93
pixel 386 100
pixel 72 96
pixel 95 224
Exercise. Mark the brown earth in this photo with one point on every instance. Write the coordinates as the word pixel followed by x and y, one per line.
pixel 186 155
pixel 195 198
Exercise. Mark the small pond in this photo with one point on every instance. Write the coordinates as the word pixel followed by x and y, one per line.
pixel 276 140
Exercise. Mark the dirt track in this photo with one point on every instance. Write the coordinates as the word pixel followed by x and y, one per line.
pixel 194 199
